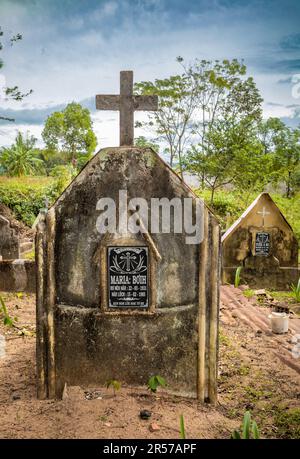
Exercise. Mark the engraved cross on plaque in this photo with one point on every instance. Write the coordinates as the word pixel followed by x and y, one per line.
pixel 263 213
pixel 127 104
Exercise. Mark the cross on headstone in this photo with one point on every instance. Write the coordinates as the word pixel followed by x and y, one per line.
pixel 127 104
pixel 263 213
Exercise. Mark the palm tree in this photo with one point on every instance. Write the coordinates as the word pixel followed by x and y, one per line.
pixel 21 158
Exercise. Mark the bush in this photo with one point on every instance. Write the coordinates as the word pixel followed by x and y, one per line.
pixel 26 196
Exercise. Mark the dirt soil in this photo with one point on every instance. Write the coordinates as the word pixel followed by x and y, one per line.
pixel 257 372
pixel 24 231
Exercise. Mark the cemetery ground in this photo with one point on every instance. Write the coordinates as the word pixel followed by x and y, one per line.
pixel 256 372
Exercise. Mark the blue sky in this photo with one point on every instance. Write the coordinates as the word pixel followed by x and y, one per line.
pixel 72 50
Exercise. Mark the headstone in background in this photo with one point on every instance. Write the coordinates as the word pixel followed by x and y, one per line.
pixel 264 244
pixel 9 240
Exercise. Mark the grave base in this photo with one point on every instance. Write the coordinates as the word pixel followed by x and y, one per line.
pixel 93 347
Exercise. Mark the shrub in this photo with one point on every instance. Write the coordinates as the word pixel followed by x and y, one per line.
pixel 26 196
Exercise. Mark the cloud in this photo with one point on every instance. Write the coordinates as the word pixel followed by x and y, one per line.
pixel 287 80
pixel 290 42
pixel 74 49
pixel 30 116
pixel 274 104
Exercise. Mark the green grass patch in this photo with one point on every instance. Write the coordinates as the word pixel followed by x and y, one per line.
pixel 288 423
pixel 223 339
pixel 248 293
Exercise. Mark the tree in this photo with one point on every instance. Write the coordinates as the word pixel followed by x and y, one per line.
pixel 11 93
pixel 142 142
pixel 177 103
pixel 283 142
pixel 70 133
pixel 190 103
pixel 228 151
pixel 21 158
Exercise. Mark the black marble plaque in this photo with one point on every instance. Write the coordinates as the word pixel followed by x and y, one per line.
pixel 128 277
pixel 262 244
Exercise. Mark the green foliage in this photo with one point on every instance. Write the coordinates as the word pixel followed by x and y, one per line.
pixel 116 385
pixel 70 133
pixel 182 428
pixel 248 293
pixel 224 339
pixel 288 423
pixel 142 142
pixel 155 382
pixel 249 429
pixel 21 158
pixel 63 175
pixel 290 208
pixel 237 277
pixel 283 142
pixel 296 291
pixel 26 196
pixel 7 320
pixel 230 146
pixel 191 102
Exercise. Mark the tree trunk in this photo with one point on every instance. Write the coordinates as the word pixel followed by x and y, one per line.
pixel 180 165
pixel 212 196
pixel 288 185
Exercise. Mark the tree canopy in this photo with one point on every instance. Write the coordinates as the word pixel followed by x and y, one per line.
pixel 21 158
pixel 70 133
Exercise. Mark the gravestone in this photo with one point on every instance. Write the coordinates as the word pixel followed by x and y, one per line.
pixel 9 240
pixel 263 243
pixel 135 302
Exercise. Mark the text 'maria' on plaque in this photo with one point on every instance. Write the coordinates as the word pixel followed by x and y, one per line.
pixel 128 277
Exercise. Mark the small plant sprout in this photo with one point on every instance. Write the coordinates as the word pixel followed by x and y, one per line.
pixel 248 293
pixel 116 385
pixel 237 278
pixel 156 381
pixel 249 429
pixel 7 320
pixel 182 428
pixel 296 291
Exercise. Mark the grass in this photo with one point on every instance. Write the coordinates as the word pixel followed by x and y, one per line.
pixel 288 423
pixel 296 291
pixel 256 394
pixel 35 182
pixel 237 278
pixel 182 428
pixel 29 255
pixel 248 293
pixel 224 339
pixel 249 429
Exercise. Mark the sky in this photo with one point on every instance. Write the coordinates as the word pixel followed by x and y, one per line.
pixel 74 49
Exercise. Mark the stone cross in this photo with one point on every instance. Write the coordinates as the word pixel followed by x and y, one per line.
pixel 263 213
pixel 127 104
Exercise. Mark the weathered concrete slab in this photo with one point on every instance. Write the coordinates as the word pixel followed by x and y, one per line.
pixel 9 240
pixel 17 276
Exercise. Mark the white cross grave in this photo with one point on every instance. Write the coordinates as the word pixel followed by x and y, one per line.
pixel 263 213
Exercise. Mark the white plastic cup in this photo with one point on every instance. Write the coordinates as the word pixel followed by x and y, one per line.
pixel 279 322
